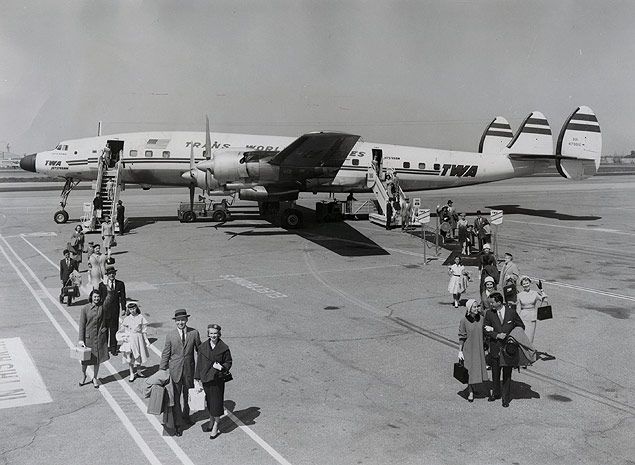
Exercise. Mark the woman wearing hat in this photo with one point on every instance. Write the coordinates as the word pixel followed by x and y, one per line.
pixel 213 363
pixel 527 306
pixel 93 333
pixel 490 288
pixel 489 270
pixel 134 349
pixel 471 346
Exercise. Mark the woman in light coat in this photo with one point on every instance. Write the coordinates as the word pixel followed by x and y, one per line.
pixel 471 346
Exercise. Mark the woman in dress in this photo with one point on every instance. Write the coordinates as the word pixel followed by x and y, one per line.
pixel 107 235
pixel 458 280
pixel 76 245
pixel 93 333
pixel 213 363
pixel 471 346
pixel 527 306
pixel 96 266
pixel 134 349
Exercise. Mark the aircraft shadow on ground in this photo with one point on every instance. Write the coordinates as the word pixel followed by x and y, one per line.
pixel 338 237
pixel 518 210
pixel 140 221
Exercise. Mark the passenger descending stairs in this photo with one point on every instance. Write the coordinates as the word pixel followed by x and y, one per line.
pixel 109 203
pixel 381 194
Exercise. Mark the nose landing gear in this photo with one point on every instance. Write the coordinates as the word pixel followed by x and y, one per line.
pixel 61 216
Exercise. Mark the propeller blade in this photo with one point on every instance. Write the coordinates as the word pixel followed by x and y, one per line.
pixel 208 153
pixel 192 166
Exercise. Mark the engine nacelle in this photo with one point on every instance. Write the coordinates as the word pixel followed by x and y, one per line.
pixel 244 166
pixel 260 193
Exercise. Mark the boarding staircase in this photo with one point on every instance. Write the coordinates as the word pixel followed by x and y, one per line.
pixel 379 187
pixel 107 187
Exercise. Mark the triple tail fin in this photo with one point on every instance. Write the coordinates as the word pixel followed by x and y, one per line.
pixel 496 136
pixel 579 146
pixel 533 137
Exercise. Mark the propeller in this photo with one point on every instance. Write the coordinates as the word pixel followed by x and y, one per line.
pixel 208 155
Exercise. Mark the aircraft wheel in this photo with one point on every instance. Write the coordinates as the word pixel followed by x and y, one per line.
pixel 220 216
pixel 189 217
pixel 60 217
pixel 292 219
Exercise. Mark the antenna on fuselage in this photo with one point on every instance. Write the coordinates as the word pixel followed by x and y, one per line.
pixel 99 128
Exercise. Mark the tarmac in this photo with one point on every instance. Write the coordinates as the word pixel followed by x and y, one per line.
pixel 343 336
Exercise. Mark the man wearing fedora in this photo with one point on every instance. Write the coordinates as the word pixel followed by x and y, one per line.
pixel 178 358
pixel 113 295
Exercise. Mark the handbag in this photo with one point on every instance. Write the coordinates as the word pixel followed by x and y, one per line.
pixel 544 312
pixel 226 376
pixel 461 373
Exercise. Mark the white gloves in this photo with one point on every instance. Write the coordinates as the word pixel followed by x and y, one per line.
pixel 461 355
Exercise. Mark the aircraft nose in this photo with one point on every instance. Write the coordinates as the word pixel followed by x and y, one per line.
pixel 27 163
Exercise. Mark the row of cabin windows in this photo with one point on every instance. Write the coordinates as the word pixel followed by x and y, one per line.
pixel 150 153
pixel 406 164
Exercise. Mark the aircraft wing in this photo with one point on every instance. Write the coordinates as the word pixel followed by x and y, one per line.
pixel 316 150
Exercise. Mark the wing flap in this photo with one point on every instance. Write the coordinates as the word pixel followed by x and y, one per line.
pixel 316 150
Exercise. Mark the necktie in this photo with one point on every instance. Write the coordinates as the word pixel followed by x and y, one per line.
pixel 500 315
pixel 183 337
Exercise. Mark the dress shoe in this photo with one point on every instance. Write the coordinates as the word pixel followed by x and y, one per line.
pixel 178 433
pixel 505 404
pixel 214 436
pixel 493 398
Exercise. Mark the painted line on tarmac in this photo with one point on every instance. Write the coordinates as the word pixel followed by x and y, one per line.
pixel 587 289
pixel 135 398
pixel 579 228
pixel 104 391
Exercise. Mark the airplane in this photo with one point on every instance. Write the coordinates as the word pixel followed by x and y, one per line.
pixel 275 169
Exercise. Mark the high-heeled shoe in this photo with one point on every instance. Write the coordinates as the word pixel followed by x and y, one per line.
pixel 470 397
pixel 83 381
pixel 131 378
pixel 95 383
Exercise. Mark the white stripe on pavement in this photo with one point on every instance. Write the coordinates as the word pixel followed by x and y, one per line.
pixel 184 458
pixel 145 449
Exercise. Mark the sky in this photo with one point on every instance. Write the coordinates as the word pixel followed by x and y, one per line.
pixel 423 73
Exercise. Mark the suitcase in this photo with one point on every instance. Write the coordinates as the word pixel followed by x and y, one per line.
pixel 81 353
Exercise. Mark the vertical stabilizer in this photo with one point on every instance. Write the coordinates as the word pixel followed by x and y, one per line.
pixel 496 136
pixel 533 137
pixel 579 146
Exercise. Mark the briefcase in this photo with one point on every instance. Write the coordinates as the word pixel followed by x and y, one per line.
pixel 81 353
pixel 460 373
pixel 155 404
pixel 544 312
pixel 72 291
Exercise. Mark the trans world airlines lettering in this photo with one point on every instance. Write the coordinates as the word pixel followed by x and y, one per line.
pixel 459 170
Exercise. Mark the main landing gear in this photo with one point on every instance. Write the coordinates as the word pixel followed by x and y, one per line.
pixel 61 216
pixel 289 215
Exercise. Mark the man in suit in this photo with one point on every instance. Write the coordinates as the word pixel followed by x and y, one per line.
pixel 121 214
pixel 479 224
pixel 67 266
pixel 498 323
pixel 113 295
pixel 178 357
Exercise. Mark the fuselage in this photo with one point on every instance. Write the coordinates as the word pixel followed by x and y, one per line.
pixel 161 158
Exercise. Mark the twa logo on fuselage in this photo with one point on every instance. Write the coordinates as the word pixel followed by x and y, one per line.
pixel 52 163
pixel 464 171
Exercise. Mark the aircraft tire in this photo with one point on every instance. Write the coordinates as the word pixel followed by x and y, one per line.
pixel 189 216
pixel 220 216
pixel 292 219
pixel 60 217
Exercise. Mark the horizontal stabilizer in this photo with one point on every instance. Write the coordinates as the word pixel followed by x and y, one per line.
pixel 496 136
pixel 579 145
pixel 533 137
